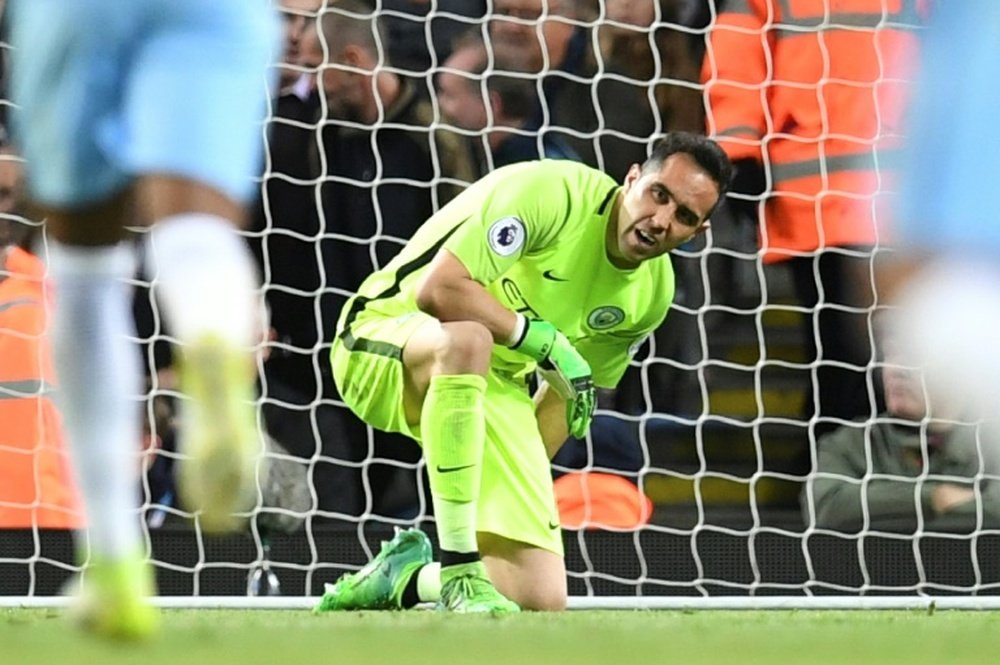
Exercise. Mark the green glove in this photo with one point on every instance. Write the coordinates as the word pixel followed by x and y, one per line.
pixel 564 369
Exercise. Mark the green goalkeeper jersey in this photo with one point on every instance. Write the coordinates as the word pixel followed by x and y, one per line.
pixel 534 234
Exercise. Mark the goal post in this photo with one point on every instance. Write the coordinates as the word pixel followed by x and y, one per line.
pixel 708 423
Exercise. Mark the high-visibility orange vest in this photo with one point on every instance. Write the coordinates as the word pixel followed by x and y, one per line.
pixel 815 89
pixel 36 486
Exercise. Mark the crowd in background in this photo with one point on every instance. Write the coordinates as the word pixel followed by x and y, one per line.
pixel 379 121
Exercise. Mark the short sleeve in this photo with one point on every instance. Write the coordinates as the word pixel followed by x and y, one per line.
pixel 521 212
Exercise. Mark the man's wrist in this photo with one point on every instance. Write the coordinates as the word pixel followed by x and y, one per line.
pixel 537 339
pixel 520 330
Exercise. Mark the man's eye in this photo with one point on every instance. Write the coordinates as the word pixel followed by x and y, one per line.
pixel 689 219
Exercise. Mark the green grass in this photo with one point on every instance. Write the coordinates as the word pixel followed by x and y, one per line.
pixel 284 637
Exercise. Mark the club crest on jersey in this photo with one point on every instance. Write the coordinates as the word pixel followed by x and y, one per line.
pixel 506 235
pixel 605 317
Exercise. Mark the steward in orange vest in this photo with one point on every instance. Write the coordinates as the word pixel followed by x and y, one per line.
pixel 814 90
pixel 36 486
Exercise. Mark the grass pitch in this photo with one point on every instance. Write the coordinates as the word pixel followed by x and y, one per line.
pixel 286 637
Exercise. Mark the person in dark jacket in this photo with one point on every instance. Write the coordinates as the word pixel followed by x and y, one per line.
pixel 911 466
pixel 384 169
pixel 495 109
pixel 377 171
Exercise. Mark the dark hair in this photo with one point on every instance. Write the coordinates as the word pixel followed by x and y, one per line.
pixel 702 149
pixel 344 22
pixel 518 94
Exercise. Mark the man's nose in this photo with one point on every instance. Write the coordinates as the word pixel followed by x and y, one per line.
pixel 663 218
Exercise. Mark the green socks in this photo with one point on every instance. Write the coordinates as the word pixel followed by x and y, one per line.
pixel 453 428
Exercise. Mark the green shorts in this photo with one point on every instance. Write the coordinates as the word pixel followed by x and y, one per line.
pixel 516 500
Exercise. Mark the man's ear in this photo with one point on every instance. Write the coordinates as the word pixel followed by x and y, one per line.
pixel 633 174
pixel 355 56
pixel 495 104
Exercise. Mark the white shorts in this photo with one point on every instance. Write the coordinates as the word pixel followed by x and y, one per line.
pixel 111 89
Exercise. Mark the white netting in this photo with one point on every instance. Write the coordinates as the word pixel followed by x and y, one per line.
pixel 713 421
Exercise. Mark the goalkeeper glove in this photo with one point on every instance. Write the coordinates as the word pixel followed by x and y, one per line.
pixel 563 368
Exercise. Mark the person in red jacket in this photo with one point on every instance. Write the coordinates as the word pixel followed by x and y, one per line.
pixel 812 92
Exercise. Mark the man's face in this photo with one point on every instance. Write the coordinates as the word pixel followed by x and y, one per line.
pixel 296 15
pixel 904 391
pixel 342 92
pixel 635 13
pixel 459 92
pixel 343 89
pixel 514 33
pixel 661 210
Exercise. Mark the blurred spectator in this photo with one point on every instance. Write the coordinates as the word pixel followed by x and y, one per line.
pixel 36 485
pixel 385 170
pixel 381 171
pixel 537 37
pixel 811 93
pixel 945 278
pixel 913 467
pixel 494 106
pixel 285 221
pixel 406 23
pixel 645 78
pixel 297 16
pixel 159 430
pixel 546 42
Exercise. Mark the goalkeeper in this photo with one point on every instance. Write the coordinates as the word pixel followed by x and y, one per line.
pixel 548 266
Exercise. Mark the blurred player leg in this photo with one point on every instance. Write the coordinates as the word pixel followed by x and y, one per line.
pixel 206 284
pixel 950 273
pixel 948 317
pixel 65 79
pixel 95 112
pixel 99 380
pixel 197 106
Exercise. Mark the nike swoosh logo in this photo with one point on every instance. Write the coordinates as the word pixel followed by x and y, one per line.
pixel 553 526
pixel 549 275
pixel 449 469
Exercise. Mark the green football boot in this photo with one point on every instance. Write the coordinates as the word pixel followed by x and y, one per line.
pixel 466 589
pixel 114 602
pixel 380 584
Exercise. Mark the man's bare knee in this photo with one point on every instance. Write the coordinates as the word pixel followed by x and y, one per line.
pixel 535 591
pixel 547 600
pixel 532 577
pixel 464 348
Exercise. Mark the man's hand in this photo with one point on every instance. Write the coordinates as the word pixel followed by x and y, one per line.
pixel 564 369
pixel 948 496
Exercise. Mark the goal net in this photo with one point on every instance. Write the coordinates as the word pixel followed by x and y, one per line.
pixel 715 473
